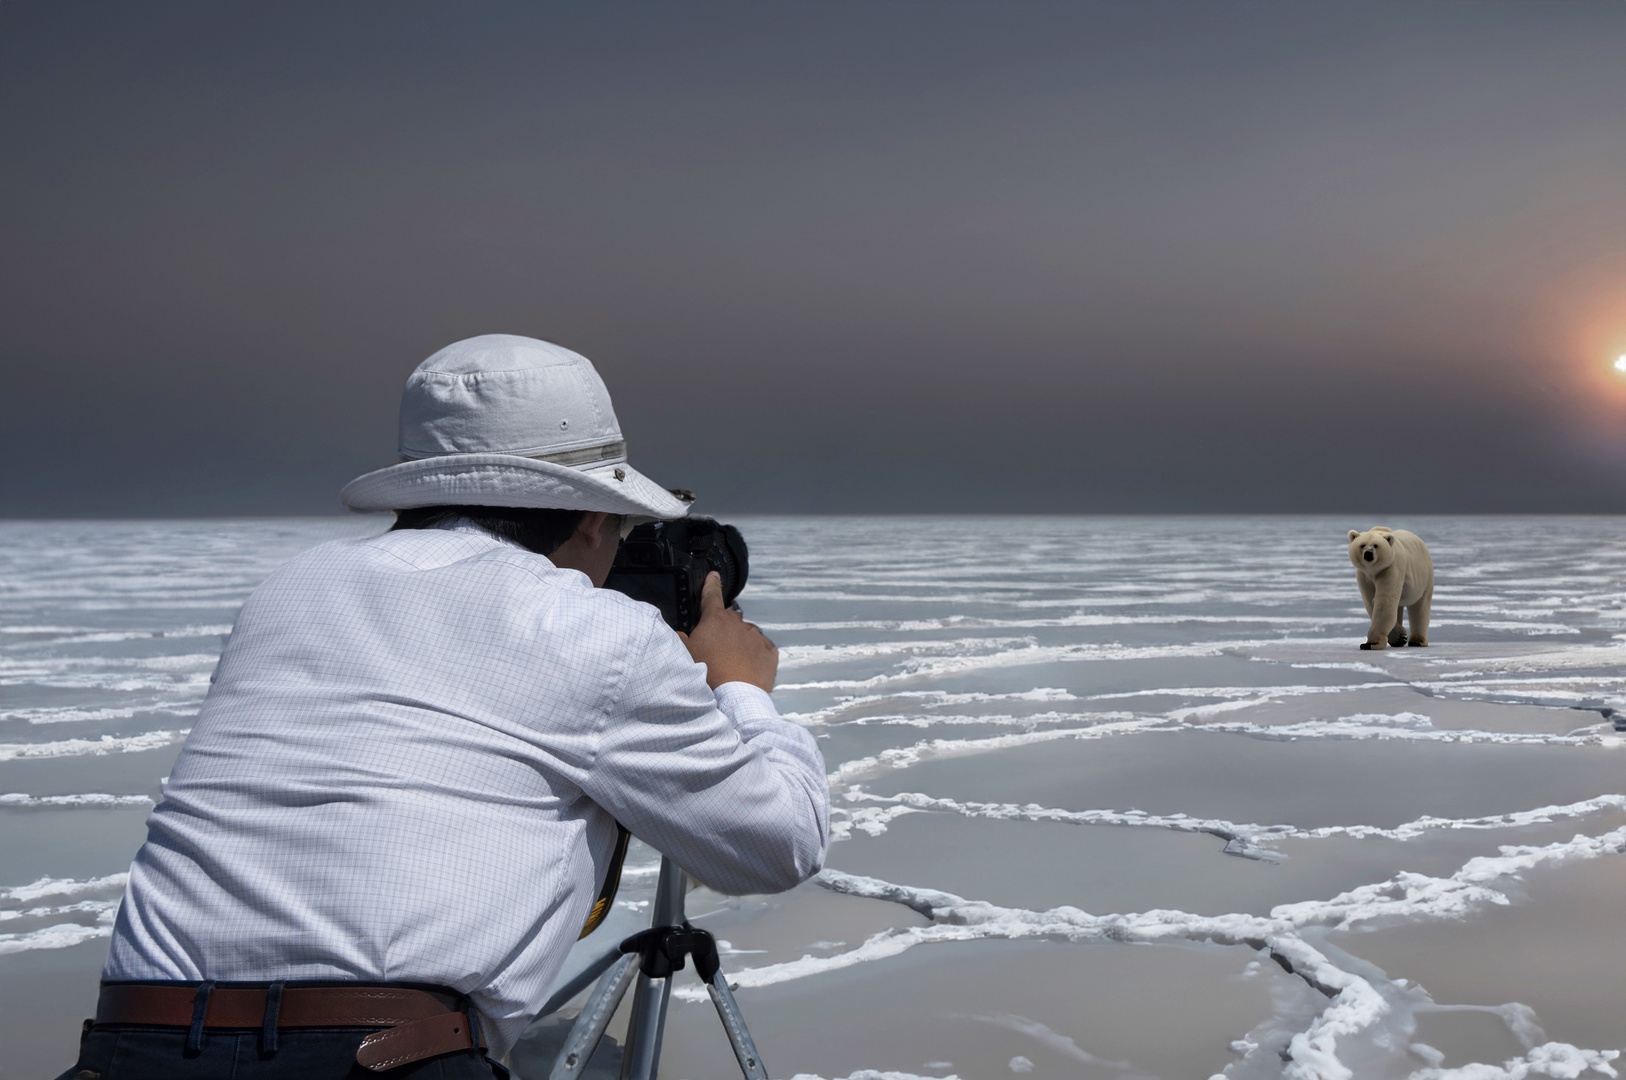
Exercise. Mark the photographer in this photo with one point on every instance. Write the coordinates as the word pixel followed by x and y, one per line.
pixel 403 792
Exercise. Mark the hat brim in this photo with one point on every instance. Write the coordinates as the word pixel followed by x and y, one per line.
pixel 509 480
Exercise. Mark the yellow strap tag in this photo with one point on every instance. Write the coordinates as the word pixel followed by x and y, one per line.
pixel 612 882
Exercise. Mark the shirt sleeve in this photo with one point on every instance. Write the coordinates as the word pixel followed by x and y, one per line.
pixel 719 782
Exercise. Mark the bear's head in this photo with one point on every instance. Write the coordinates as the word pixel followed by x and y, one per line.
pixel 1372 550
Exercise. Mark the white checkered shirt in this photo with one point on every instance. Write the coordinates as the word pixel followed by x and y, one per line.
pixel 411 765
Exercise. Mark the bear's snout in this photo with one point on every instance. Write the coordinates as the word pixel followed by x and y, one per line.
pixel 1369 555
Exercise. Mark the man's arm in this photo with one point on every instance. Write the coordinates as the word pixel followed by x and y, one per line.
pixel 718 781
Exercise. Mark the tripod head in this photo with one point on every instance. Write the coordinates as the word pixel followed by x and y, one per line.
pixel 661 950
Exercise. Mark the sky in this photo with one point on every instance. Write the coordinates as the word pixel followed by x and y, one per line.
pixel 830 257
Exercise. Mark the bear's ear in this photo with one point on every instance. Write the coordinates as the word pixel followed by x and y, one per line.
pixel 1353 533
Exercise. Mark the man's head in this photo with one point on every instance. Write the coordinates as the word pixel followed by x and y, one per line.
pixel 584 540
pixel 506 421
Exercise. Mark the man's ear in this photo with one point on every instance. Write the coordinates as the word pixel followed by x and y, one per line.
pixel 593 528
pixel 1353 533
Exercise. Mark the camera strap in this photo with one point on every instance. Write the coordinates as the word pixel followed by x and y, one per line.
pixel 612 882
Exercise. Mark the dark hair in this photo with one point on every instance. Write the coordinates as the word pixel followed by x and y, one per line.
pixel 542 531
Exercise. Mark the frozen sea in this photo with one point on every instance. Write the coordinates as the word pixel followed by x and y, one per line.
pixel 1114 797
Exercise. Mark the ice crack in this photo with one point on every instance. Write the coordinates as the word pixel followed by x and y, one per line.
pixel 1356 1007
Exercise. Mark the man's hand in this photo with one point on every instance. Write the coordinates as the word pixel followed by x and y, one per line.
pixel 732 649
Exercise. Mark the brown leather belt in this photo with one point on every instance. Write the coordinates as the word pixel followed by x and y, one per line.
pixel 418 1023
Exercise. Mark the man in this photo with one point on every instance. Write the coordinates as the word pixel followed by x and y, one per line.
pixel 402 793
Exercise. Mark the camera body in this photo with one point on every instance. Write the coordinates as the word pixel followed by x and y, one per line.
pixel 665 563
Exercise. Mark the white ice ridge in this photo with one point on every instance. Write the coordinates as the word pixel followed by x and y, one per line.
pixel 1571 657
pixel 61 935
pixel 1404 726
pixel 107 744
pixel 18 800
pixel 79 635
pixel 1029 720
pixel 1561 1061
pixel 1241 838
pixel 794 656
pixel 904 756
pixel 878 1074
pixel 1554 690
pixel 977 622
pixel 1240 697
pixel 47 886
pixel 100 908
pixel 69 714
pixel 145 603
pixel 126 679
pixel 868 819
pixel 1529 629
pixel 926 699
pixel 1274 600
pixel 1412 726
pixel 31 669
pixel 919 667
pixel 1357 1008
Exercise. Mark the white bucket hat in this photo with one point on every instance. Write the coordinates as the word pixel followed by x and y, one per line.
pixel 500 420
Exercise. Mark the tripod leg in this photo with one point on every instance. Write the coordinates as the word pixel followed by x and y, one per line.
pixel 643 1051
pixel 582 979
pixel 728 1010
pixel 594 1018
pixel 644 1030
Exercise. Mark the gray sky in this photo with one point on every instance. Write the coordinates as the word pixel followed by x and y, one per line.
pixel 828 257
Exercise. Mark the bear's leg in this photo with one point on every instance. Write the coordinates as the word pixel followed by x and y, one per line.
pixel 1385 610
pixel 1417 615
pixel 1397 633
pixel 1369 598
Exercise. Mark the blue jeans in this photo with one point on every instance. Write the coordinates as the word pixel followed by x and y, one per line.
pixel 139 1052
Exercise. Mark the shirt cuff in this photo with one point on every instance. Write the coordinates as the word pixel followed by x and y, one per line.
pixel 749 707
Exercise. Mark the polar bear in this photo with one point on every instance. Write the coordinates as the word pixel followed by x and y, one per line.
pixel 1394 571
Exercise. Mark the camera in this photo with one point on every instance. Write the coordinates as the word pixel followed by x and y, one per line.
pixel 665 563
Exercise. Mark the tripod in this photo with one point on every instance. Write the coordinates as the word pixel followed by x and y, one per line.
pixel 653 955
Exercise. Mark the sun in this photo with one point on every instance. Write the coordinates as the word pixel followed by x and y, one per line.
pixel 1620 363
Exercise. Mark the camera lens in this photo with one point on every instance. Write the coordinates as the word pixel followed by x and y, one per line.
pixel 727 555
pixel 720 559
